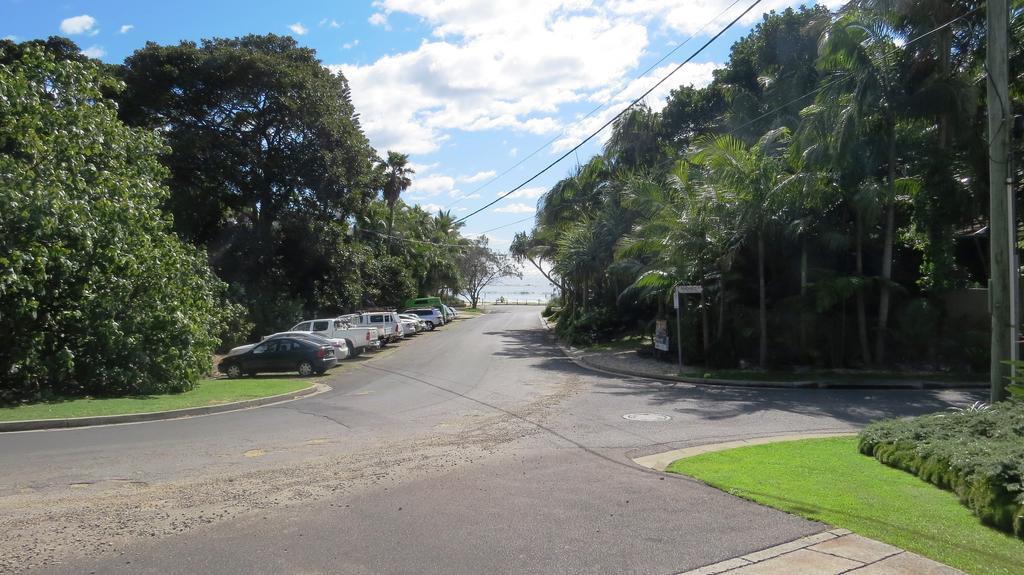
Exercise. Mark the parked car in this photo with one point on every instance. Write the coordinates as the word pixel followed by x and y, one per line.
pixel 430 316
pixel 448 312
pixel 420 324
pixel 281 354
pixel 410 326
pixel 387 321
pixel 359 338
pixel 341 346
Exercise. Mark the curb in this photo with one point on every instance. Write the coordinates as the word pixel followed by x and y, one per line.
pixel 661 461
pixel 581 360
pixel 66 423
pixel 805 384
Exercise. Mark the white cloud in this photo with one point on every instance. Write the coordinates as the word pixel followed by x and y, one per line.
pixel 298 29
pixel 11 37
pixel 490 65
pixel 350 45
pixel 692 74
pixel 430 186
pixel 379 19
pixel 432 208
pixel 514 66
pixel 84 24
pixel 516 209
pixel 513 152
pixel 689 16
pixel 94 51
pixel 329 22
pixel 421 169
pixel 527 193
pixel 125 28
pixel 477 177
pixel 457 194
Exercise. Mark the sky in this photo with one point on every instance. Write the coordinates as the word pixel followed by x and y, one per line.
pixel 468 88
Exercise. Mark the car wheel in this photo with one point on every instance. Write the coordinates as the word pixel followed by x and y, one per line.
pixel 234 372
pixel 351 350
pixel 430 326
pixel 306 369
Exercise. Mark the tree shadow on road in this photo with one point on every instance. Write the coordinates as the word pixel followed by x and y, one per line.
pixel 714 403
pixel 856 407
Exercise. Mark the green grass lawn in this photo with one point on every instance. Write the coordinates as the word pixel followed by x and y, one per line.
pixel 208 392
pixel 828 480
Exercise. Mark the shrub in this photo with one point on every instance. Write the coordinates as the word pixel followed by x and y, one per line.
pixel 589 327
pixel 978 453
pixel 97 294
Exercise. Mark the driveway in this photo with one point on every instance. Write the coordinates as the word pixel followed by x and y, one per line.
pixel 476 448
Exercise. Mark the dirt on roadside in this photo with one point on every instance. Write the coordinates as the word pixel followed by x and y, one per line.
pixel 82 521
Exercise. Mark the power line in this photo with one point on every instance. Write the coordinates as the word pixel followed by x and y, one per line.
pixel 841 78
pixel 429 243
pixel 832 82
pixel 614 118
pixel 598 108
pixel 500 227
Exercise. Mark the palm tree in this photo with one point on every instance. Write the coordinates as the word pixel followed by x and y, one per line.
pixel 747 180
pixel 396 172
pixel 864 81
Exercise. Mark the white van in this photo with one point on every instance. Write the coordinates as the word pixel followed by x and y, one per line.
pixel 387 322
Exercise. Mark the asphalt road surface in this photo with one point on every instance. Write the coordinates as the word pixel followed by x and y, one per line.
pixel 477 448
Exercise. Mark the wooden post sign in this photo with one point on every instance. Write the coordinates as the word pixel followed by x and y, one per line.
pixel 679 323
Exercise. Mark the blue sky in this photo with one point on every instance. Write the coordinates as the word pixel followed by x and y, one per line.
pixel 468 88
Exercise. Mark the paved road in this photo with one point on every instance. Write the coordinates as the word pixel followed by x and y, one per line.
pixel 476 448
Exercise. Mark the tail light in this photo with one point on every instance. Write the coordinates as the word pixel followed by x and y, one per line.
pixel 322 352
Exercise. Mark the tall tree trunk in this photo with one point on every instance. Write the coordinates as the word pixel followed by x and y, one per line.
pixel 762 354
pixel 705 325
pixel 721 307
pixel 862 316
pixel 887 244
pixel 803 293
pixel 391 221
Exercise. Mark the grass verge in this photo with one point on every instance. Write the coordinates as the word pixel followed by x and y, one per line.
pixel 828 480
pixel 208 392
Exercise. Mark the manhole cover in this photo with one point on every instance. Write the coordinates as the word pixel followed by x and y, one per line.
pixel 646 417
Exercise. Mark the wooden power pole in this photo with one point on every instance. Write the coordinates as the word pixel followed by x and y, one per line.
pixel 1002 228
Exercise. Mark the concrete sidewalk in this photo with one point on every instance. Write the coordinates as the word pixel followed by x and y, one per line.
pixel 829 553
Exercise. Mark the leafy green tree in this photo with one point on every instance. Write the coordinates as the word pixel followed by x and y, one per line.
pixel 98 296
pixel 479 267
pixel 265 150
pixel 397 179
pixel 747 180
pixel 864 71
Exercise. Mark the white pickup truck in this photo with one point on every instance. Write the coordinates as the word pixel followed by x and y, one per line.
pixel 388 324
pixel 359 338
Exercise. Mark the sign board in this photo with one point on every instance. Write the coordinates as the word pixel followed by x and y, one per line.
pixel 661 334
pixel 683 290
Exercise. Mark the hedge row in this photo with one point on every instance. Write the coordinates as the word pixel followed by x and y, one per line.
pixel 978 453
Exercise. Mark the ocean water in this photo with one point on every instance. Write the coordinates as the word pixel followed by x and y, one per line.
pixel 529 289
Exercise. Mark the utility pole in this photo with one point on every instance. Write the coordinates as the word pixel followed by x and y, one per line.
pixel 1002 228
